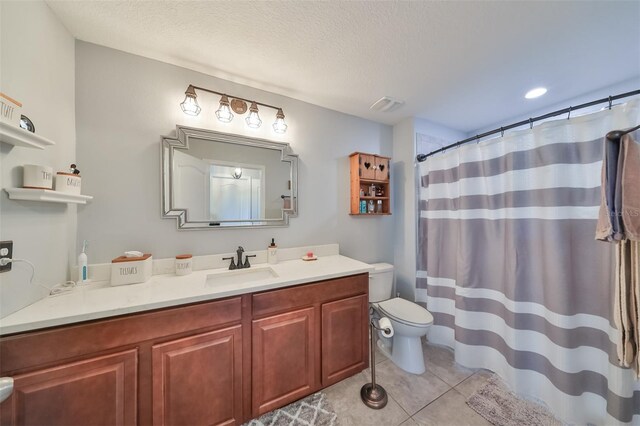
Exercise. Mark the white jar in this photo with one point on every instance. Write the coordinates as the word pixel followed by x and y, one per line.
pixel 36 176
pixel 184 264
pixel 68 183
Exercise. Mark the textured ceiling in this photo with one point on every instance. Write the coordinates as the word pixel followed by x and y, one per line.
pixel 462 64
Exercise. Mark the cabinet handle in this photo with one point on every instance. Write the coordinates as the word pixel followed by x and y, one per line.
pixel 6 387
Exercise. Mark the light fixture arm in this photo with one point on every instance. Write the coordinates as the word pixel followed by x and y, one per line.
pixel 191 86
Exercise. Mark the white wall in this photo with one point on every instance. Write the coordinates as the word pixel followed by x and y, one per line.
pixel 616 89
pixel 37 68
pixel 405 187
pixel 126 102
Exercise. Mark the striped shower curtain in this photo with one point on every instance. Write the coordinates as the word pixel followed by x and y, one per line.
pixel 509 267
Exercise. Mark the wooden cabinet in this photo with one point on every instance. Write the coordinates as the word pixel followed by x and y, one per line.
pixel 197 380
pixel 369 170
pixel 284 352
pixel 344 338
pixel 151 367
pixel 221 362
pixel 95 391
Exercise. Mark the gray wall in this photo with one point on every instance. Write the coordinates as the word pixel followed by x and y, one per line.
pixel 405 203
pixel 37 68
pixel 125 103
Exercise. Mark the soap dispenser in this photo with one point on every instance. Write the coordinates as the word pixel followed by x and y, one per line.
pixel 272 252
pixel 83 272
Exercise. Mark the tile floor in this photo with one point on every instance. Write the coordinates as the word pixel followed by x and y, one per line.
pixel 436 397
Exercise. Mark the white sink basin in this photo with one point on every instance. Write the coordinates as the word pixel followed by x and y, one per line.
pixel 242 276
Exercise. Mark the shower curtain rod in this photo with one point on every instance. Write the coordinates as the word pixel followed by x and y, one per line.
pixel 530 121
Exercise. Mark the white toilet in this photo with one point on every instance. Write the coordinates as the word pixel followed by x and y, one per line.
pixel 409 320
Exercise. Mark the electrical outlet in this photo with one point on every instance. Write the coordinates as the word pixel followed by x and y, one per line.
pixel 6 250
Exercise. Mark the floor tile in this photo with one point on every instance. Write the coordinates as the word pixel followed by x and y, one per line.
pixel 449 409
pixel 411 391
pixel 344 397
pixel 409 422
pixel 440 361
pixel 471 384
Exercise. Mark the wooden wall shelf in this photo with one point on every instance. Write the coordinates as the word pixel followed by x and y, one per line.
pixel 368 170
pixel 14 135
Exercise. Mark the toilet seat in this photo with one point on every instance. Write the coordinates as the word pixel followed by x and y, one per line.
pixel 406 312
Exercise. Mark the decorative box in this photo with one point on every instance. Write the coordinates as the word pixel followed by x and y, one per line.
pixel 36 176
pixel 131 270
pixel 68 183
pixel 10 110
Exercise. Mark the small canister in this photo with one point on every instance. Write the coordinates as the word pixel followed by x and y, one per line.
pixel 68 183
pixel 36 176
pixel 184 264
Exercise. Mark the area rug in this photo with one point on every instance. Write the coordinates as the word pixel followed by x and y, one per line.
pixel 313 410
pixel 501 407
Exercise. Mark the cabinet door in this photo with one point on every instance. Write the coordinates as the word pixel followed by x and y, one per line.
pixel 197 380
pixel 382 168
pixel 284 368
pixel 344 338
pixel 94 391
pixel 367 163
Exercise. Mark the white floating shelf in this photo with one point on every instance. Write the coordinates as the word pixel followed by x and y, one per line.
pixel 14 135
pixel 48 195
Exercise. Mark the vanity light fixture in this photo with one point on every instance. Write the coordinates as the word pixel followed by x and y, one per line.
pixel 224 113
pixel 280 126
pixel 232 103
pixel 190 104
pixel 253 120
pixel 237 173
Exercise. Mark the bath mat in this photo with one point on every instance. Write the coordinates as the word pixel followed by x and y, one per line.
pixel 501 407
pixel 313 410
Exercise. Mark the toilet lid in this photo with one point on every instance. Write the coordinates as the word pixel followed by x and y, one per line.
pixel 405 311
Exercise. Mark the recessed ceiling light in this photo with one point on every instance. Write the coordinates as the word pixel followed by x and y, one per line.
pixel 535 93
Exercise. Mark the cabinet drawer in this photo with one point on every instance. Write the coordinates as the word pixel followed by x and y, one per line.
pixel 275 301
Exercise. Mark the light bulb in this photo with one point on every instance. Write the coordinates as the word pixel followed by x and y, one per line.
pixel 535 93
pixel 253 120
pixel 224 113
pixel 280 126
pixel 190 104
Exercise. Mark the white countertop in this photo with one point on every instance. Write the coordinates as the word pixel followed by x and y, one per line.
pixel 102 301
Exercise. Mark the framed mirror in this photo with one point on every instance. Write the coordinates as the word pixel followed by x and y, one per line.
pixel 214 180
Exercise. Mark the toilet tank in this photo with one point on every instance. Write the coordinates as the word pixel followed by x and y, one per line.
pixel 380 282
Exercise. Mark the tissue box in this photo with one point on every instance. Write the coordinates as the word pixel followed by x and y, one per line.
pixel 131 270
pixel 9 110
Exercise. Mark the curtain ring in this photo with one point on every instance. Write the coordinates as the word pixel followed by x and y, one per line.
pixel 530 123
pixel 610 102
pixel 501 132
pixel 569 115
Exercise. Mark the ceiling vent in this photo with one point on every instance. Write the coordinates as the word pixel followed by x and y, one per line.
pixel 386 104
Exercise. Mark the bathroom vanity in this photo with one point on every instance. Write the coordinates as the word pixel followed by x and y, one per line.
pixel 221 361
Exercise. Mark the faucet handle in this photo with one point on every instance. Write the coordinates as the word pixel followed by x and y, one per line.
pixel 246 260
pixel 233 264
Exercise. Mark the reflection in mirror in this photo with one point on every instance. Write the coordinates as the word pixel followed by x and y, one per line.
pixel 214 180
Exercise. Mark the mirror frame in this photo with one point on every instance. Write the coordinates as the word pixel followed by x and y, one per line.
pixel 181 141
